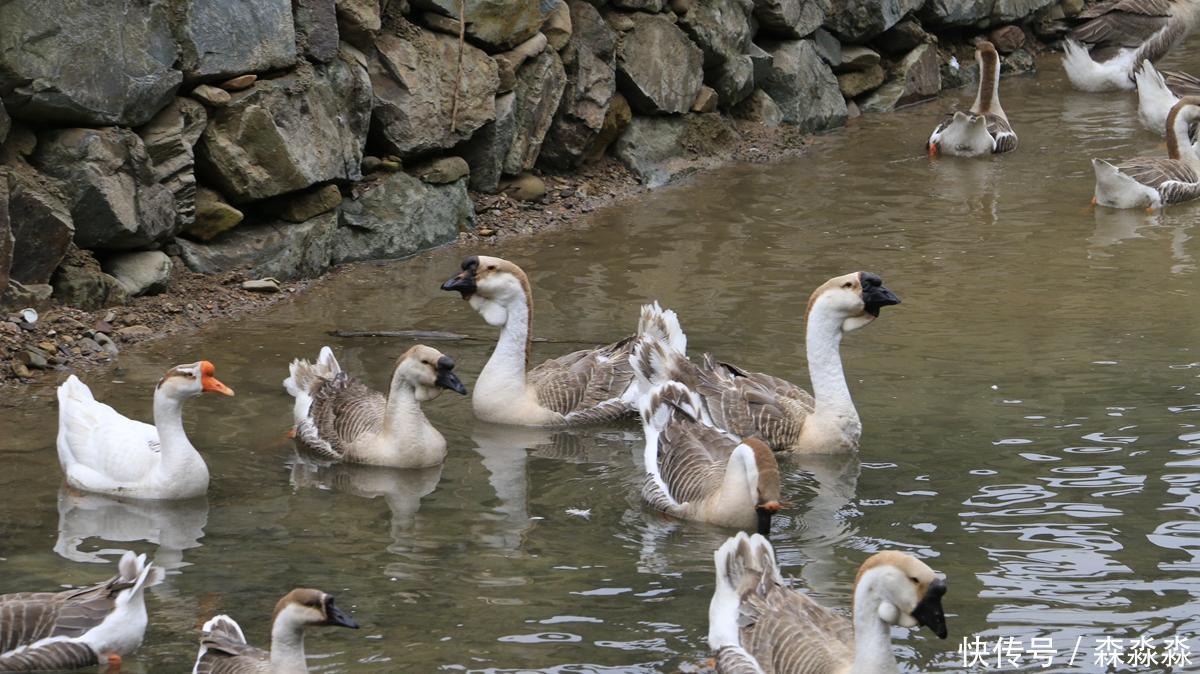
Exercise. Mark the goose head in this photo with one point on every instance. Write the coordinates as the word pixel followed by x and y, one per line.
pixel 303 607
pixel 854 299
pixel 492 285
pixel 767 501
pixel 987 56
pixel 909 593
pixel 428 371
pixel 184 381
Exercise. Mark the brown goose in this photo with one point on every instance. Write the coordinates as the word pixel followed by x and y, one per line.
pixel 339 419
pixel 1125 33
pixel 757 624
pixel 223 647
pixel 1153 182
pixel 787 418
pixel 986 129
pixel 583 387
pixel 77 628
pixel 695 471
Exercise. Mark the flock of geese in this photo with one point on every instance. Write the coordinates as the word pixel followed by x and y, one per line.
pixel 1126 36
pixel 714 433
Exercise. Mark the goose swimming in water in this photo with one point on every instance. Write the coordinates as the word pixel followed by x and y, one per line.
pixel 786 417
pixel 223 647
pixel 756 623
pixel 1153 182
pixel 103 451
pixel 583 387
pixel 1132 31
pixel 695 471
pixel 986 129
pixel 338 418
pixel 77 628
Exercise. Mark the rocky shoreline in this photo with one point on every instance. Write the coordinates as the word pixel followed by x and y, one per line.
pixel 199 171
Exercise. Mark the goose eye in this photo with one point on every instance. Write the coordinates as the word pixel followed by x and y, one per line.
pixel 914 580
pixel 491 267
pixel 847 285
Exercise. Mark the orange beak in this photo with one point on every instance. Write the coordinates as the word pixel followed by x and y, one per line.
pixel 770 506
pixel 209 383
pixel 933 150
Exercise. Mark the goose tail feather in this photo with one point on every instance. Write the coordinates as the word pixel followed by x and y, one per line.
pixel 745 562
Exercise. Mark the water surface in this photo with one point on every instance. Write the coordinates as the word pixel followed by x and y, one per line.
pixel 1030 418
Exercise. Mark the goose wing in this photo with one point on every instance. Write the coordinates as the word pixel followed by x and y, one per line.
pixel 343 410
pixel 787 631
pixel 585 386
pixel 753 403
pixel 28 617
pixel 96 436
pixel 1122 23
pixel 1156 171
pixel 223 650
pixel 1002 132
pixel 691 462
pixel 51 655
pixel 1181 83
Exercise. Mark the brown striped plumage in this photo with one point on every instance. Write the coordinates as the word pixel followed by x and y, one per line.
pixel 583 385
pixel 50 656
pixel 753 403
pixel 225 651
pixel 1181 84
pixel 343 409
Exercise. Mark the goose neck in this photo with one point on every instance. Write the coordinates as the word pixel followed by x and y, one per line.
pixel 823 344
pixel 287 648
pixel 403 418
pixel 1179 144
pixel 177 451
pixel 506 368
pixel 987 99
pixel 872 636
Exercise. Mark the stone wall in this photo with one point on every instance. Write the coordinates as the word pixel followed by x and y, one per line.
pixel 279 137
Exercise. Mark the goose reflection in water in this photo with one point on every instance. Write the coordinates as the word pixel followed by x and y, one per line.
pixel 174 526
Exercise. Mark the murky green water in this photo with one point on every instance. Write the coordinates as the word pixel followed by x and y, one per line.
pixel 1030 418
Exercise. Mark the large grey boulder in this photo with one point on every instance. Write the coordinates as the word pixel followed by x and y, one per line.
pixel 947 13
pixel 94 63
pixel 413 73
pixel 316 28
pixel 400 216
pixel 220 39
pixel 651 6
pixel 861 20
pixel 803 86
pixel 488 148
pixel 170 139
pixel 914 78
pixel 1007 11
pixel 790 18
pixel 287 133
pixel 80 282
pixel 142 273
pixel 658 68
pixel 497 25
pixel 40 224
pixel 721 28
pixel 590 60
pixel 110 187
pixel 733 80
pixel 660 149
pixel 358 21
pixel 539 88
pixel 283 250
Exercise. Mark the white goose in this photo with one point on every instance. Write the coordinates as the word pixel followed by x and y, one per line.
pixel 339 419
pixel 582 387
pixel 786 417
pixel 695 471
pixel 986 129
pixel 1138 30
pixel 1153 182
pixel 223 647
pixel 77 628
pixel 756 623
pixel 102 451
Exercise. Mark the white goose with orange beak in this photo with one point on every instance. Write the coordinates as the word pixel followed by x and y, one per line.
pixel 103 451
